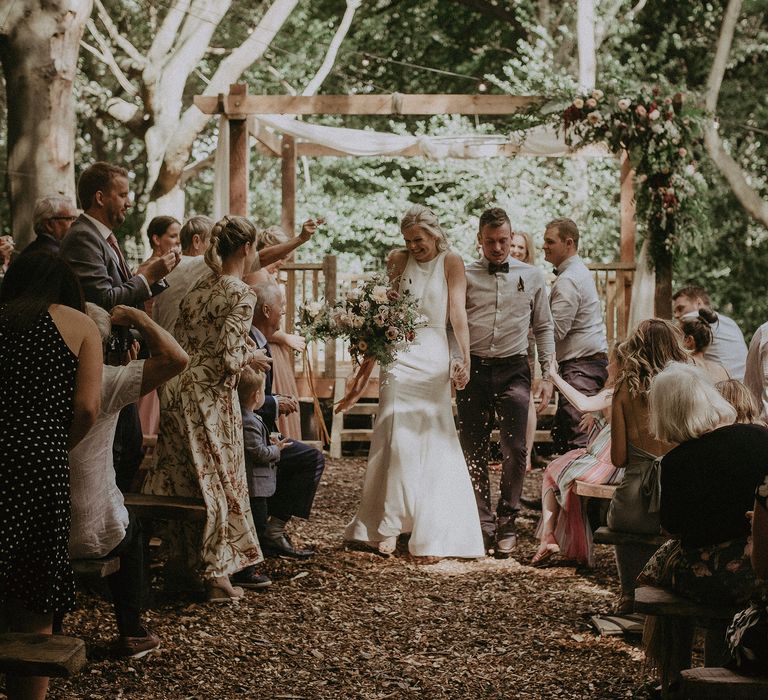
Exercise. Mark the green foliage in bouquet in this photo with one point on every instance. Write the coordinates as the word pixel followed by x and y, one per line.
pixel 378 321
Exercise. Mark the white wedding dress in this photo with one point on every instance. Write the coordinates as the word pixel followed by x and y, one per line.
pixel 417 480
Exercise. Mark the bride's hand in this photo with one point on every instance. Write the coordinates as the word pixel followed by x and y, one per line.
pixel 459 374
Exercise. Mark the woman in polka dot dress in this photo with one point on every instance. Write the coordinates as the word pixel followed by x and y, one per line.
pixel 50 371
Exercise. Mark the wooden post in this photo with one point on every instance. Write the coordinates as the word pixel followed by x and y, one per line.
pixel 662 299
pixel 329 273
pixel 238 150
pixel 628 228
pixel 288 217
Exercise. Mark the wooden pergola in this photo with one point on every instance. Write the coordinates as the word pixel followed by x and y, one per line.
pixel 238 107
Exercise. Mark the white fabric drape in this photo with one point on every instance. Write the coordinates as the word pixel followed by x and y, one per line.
pixel 643 290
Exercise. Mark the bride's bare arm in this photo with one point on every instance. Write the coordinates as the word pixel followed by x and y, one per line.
pixel 396 262
pixel 457 300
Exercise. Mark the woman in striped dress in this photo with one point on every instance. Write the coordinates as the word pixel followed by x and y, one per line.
pixel 563 528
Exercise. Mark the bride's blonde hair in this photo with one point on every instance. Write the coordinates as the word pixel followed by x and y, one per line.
pixel 424 218
pixel 227 235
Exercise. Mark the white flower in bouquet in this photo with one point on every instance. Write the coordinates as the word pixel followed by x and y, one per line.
pixel 354 294
pixel 380 320
pixel 578 103
pixel 357 321
pixel 624 104
pixel 379 294
pixel 597 94
pixel 591 103
pixel 594 117
pixel 391 333
pixel 314 308
pixel 365 305
pixel 654 114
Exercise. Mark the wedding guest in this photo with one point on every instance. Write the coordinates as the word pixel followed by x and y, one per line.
pixel 504 298
pixel 50 370
pixel 522 249
pixel 707 485
pixel 741 398
pixel 756 370
pixel 262 455
pixel 416 480
pixel 580 342
pixel 697 337
pixel 194 237
pixel 563 528
pixel 747 635
pixel 200 444
pixel 652 345
pixel 7 251
pixel 51 221
pixel 283 345
pixel 101 524
pixel 728 347
pixel 301 466
pixel 163 234
pixel 92 250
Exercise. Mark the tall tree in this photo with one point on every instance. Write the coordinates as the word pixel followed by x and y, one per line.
pixel 39 45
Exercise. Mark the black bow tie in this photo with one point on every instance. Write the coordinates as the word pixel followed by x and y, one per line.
pixel 493 268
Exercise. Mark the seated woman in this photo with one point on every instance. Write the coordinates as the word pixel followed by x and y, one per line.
pixel 634 507
pixel 697 337
pixel 742 399
pixel 707 485
pixel 562 528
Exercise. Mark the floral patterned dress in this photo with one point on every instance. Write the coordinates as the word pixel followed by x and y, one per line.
pixel 200 445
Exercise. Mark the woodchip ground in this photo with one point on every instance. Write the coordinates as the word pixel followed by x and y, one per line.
pixel 351 624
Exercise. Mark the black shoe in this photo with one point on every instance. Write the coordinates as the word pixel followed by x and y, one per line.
pixel 250 578
pixel 531 503
pixel 282 547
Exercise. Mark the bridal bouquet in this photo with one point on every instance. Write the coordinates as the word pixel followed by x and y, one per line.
pixel 378 321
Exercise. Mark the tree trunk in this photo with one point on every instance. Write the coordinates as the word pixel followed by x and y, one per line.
pixel 38 51
pixel 585 32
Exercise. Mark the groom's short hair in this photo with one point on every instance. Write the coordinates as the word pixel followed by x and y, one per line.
pixel 494 218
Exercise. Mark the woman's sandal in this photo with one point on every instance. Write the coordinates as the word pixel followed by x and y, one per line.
pixel 545 552
pixel 221 594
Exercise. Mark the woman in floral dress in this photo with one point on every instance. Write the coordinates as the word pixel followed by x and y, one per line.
pixel 200 445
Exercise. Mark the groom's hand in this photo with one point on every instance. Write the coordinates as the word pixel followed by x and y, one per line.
pixel 544 394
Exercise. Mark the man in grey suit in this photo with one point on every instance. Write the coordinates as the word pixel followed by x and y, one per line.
pixel 91 249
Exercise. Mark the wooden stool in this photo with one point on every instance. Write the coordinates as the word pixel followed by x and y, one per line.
pixel 722 684
pixel 41 654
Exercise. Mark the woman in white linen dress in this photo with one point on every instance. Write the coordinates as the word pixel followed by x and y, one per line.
pixel 417 481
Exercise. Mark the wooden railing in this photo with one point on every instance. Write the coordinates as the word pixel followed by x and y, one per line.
pixel 307 282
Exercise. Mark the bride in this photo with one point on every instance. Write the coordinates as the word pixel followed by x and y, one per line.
pixel 417 480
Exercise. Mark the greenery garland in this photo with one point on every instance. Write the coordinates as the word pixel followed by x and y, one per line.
pixel 663 135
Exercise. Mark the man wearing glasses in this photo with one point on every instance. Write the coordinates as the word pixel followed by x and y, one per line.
pixel 52 218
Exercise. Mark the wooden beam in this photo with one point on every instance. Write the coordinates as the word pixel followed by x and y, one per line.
pixel 239 150
pixel 628 228
pixel 329 292
pixel 367 104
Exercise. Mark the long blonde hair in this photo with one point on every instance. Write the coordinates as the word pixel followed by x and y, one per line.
pixel 530 251
pixel 652 345
pixel 227 235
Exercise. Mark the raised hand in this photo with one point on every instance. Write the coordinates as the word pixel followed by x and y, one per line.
pixel 155 268
pixel 309 228
pixel 295 342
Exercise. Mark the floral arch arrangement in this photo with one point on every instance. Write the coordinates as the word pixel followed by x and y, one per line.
pixel 663 137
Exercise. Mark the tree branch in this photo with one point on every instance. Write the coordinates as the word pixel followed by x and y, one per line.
pixel 753 204
pixel 166 35
pixel 193 170
pixel 333 48
pixel 131 51
pixel 107 57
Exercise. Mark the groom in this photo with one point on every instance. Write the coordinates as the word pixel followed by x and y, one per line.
pixel 504 297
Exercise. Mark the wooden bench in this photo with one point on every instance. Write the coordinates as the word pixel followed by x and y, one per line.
pixel 604 535
pixel 340 434
pixel 714 619
pixel 95 568
pixel 41 654
pixel 722 684
pixel 587 490
pixel 165 507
